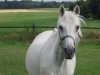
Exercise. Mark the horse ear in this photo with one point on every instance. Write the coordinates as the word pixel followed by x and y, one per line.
pixel 77 9
pixel 62 10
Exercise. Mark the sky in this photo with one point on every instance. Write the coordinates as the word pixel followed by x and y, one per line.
pixel 46 0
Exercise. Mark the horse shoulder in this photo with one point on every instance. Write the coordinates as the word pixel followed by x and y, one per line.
pixel 32 56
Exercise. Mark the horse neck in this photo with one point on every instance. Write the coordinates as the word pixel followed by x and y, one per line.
pixel 56 49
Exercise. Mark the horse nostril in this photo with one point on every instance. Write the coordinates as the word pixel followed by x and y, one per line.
pixel 69 51
pixel 74 49
pixel 65 49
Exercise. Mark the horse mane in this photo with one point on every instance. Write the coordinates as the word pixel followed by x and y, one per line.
pixel 70 17
pixel 82 19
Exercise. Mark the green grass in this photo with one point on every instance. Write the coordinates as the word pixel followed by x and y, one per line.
pixel 93 23
pixel 44 18
pixel 88 62
pixel 22 19
pixel 39 19
pixel 12 58
pixel 12 52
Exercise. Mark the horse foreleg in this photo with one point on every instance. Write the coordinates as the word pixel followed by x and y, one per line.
pixel 70 66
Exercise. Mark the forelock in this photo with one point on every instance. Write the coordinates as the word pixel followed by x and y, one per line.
pixel 71 17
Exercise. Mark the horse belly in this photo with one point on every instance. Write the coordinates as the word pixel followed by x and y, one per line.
pixel 34 51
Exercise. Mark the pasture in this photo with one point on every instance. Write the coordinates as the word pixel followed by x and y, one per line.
pixel 12 51
pixel 12 58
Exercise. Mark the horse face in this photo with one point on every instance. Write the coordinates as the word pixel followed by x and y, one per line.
pixel 69 30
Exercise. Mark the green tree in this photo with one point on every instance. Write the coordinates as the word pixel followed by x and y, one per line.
pixel 84 8
pixel 94 6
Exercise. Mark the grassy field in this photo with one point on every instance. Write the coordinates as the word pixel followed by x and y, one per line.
pixel 43 18
pixel 13 51
pixel 22 19
pixel 39 19
pixel 12 58
pixel 88 58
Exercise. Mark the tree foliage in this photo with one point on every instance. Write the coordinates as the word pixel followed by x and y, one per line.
pixel 94 6
pixel 84 8
pixel 90 8
pixel 28 4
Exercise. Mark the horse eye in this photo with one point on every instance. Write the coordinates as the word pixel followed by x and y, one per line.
pixel 77 27
pixel 61 28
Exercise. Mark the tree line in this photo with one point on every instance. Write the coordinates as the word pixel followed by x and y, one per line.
pixel 89 8
pixel 29 4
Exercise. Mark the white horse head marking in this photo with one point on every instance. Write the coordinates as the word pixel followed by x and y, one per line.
pixel 69 29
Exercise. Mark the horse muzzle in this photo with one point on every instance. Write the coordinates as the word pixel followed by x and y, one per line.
pixel 69 53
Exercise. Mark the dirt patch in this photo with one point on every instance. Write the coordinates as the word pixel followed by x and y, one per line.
pixel 24 10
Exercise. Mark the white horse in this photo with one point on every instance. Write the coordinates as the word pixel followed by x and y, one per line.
pixel 53 52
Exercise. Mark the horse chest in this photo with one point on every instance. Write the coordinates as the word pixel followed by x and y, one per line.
pixel 49 65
